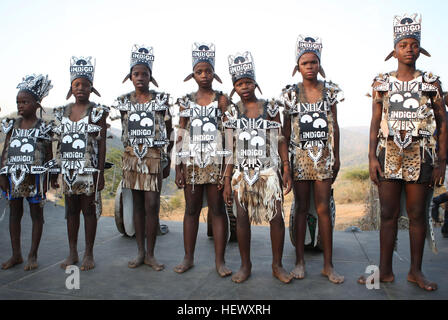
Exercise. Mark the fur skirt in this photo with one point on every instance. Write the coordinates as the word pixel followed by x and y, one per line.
pixel 259 200
pixel 145 174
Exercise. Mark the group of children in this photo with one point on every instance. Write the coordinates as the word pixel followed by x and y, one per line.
pixel 240 154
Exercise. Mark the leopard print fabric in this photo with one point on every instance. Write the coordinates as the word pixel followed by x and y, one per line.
pixel 414 163
pixel 210 174
pixel 302 165
pixel 304 168
pixel 83 185
pixel 27 188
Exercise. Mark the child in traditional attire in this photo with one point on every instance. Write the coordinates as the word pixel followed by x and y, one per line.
pixel 312 131
pixel 407 109
pixel 256 184
pixel 199 168
pixel 146 129
pixel 26 157
pixel 81 156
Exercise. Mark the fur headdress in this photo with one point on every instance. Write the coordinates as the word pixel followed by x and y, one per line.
pixel 203 52
pixel 82 67
pixel 144 55
pixel 308 44
pixel 407 26
pixel 37 85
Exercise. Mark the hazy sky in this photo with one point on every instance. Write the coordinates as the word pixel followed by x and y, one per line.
pixel 41 36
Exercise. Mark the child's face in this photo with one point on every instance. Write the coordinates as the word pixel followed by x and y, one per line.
pixel 407 51
pixel 81 89
pixel 245 88
pixel 309 66
pixel 26 104
pixel 140 76
pixel 203 74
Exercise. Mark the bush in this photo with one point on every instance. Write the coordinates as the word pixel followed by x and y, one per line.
pixel 177 200
pixel 358 174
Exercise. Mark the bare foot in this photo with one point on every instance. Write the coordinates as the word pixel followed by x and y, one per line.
pixel 420 279
pixel 299 271
pixel 185 265
pixel 71 260
pixel 242 275
pixel 222 270
pixel 281 274
pixel 387 278
pixel 31 263
pixel 88 263
pixel 137 262
pixel 152 262
pixel 332 275
pixel 12 262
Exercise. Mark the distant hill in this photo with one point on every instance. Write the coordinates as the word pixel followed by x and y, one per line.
pixel 354 146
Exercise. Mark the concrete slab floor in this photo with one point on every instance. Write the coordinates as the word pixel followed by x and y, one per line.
pixel 112 279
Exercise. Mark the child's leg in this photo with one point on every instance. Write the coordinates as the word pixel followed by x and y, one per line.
pixel 193 206
pixel 277 241
pixel 301 209
pixel 389 194
pixel 37 217
pixel 15 218
pixel 322 192
pixel 445 223
pixel 138 201
pixel 415 207
pixel 220 228
pixel 152 206
pixel 73 209
pixel 90 223
pixel 243 233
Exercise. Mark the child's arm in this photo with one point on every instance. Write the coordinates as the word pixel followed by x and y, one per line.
pixel 54 177
pixel 337 161
pixel 440 116
pixel 283 153
pixel 3 178
pixel 377 109
pixel 228 161
pixel 102 150
pixel 169 132
pixel 180 177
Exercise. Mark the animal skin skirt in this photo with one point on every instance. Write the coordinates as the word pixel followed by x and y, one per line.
pixel 260 199
pixel 144 174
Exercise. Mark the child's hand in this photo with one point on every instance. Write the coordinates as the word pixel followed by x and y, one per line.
pixel 227 193
pixel 180 178
pixel 167 170
pixel 375 170
pixel 101 181
pixel 287 181
pixel 438 175
pixel 336 167
pixel 4 183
